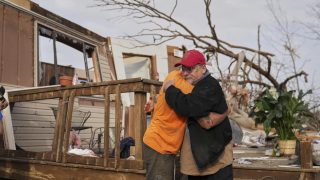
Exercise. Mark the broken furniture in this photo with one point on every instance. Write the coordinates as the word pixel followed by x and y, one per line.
pixel 79 118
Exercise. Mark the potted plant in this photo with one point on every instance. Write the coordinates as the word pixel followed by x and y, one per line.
pixel 284 112
pixel 65 80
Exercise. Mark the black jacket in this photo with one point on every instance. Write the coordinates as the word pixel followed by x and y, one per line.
pixel 206 97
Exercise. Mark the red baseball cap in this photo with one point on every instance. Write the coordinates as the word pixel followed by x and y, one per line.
pixel 192 58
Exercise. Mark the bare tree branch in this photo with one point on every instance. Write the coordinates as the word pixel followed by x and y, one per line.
pixel 283 84
pixel 163 27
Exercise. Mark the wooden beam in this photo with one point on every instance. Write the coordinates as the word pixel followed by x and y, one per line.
pixel 131 124
pixel 154 71
pixel 127 85
pixel 21 169
pixel 106 126
pixel 305 154
pixel 60 125
pixel 68 126
pixel 140 122
pixel 117 127
pixel 56 135
pixel 96 65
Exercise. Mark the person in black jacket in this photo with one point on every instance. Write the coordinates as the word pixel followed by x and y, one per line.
pixel 207 145
pixel 3 105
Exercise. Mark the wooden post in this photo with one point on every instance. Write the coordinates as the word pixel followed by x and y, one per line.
pixel 140 122
pixel 126 121
pixel 96 65
pixel 106 125
pixel 117 127
pixel 305 154
pixel 68 125
pixel 131 125
pixel 56 128
pixel 59 128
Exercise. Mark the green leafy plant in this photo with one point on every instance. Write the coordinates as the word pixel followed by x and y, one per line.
pixel 284 111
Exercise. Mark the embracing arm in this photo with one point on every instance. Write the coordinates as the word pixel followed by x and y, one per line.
pixel 196 104
pixel 212 119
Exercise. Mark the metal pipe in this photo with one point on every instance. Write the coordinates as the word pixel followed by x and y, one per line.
pixel 54 35
pixel 86 61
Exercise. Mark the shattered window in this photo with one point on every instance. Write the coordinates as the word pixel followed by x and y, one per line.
pixel 61 55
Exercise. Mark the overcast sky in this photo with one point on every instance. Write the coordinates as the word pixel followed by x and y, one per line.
pixel 236 22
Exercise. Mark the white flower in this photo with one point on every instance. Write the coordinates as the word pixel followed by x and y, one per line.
pixel 274 93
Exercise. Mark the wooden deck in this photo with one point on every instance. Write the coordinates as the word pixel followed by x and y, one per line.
pixel 58 164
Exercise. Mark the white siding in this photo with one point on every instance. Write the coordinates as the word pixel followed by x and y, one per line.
pixel 34 122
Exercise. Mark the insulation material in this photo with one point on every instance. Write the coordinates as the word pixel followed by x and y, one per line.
pixel 137 67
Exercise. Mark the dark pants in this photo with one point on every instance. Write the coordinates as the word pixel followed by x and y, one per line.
pixel 223 174
pixel 158 166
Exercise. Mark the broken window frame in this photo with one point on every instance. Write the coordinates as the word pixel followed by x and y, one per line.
pixel 153 63
pixel 86 48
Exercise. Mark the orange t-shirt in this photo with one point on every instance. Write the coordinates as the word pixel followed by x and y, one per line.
pixel 166 131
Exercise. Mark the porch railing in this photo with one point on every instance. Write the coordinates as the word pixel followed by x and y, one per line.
pixel 66 95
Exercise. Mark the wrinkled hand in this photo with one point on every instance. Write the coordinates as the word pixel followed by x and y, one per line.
pixel 148 107
pixel 3 104
pixel 206 122
pixel 167 84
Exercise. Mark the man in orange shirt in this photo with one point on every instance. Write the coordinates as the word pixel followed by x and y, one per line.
pixel 206 153
pixel 164 136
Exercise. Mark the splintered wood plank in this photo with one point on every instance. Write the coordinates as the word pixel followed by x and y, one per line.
pixel 117 127
pixel 68 125
pixel 106 125
pixel 59 128
pixel 140 122
pixel 96 65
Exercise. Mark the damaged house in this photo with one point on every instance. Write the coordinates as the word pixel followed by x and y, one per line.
pixel 111 82
pixel 38 50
